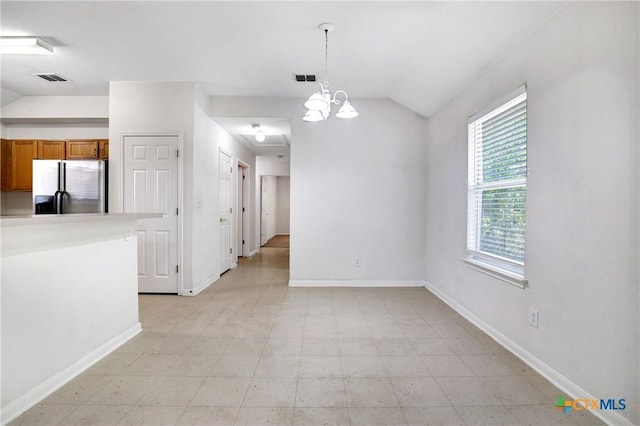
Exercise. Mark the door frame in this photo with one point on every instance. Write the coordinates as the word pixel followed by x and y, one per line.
pixel 180 160
pixel 244 250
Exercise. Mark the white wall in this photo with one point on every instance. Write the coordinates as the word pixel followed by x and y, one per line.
pixel 64 304
pixel 57 107
pixel 179 107
pixel 581 71
pixel 57 131
pixel 358 182
pixel 282 205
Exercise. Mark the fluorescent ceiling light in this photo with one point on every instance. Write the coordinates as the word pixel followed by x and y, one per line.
pixel 24 46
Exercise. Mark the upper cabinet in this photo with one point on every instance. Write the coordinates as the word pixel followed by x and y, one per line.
pixel 17 164
pixel 83 149
pixel 52 150
pixel 104 149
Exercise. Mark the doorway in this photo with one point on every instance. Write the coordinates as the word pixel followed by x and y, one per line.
pixel 242 210
pixel 274 211
pixel 225 192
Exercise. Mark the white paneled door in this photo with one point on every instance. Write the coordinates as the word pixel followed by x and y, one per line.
pixel 225 211
pixel 151 186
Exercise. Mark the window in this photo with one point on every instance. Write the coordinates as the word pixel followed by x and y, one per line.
pixel 497 189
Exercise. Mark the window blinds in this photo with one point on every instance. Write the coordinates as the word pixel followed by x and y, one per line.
pixel 498 182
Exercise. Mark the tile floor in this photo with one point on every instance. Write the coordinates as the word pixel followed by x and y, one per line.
pixel 251 350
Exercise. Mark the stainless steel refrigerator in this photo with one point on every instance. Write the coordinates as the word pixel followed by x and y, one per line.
pixel 70 186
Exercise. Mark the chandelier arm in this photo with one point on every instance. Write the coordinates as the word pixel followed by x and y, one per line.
pixel 335 99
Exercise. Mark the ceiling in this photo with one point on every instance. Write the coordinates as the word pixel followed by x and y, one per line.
pixel 418 54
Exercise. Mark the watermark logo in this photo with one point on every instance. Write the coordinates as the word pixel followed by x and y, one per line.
pixel 579 404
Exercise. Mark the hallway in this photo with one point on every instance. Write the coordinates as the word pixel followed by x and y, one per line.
pixel 251 350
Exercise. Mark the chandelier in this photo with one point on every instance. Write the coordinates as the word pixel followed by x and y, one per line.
pixel 319 103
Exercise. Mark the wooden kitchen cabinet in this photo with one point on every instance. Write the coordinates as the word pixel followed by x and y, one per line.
pixel 52 150
pixel 82 149
pixel 17 164
pixel 104 149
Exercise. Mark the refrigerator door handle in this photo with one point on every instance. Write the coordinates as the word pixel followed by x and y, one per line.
pixel 57 201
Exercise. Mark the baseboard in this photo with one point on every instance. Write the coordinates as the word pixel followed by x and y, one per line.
pixel 356 283
pixel 287 234
pixel 253 252
pixel 201 286
pixel 21 404
pixel 567 386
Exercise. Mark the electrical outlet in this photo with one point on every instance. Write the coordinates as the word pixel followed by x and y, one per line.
pixel 533 317
pixel 127 233
pixel 357 262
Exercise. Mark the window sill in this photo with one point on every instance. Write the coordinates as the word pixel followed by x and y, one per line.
pixel 496 272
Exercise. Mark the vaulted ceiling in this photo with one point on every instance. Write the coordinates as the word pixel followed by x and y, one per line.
pixel 419 54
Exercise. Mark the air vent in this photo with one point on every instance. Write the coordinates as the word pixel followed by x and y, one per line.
pixel 51 77
pixel 305 77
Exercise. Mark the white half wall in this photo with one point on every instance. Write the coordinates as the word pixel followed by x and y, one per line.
pixel 69 297
pixel 581 71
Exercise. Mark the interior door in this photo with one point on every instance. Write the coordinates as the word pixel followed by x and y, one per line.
pixel 151 186
pixel 264 210
pixel 225 211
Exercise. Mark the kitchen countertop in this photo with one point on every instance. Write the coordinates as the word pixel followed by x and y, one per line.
pixel 53 219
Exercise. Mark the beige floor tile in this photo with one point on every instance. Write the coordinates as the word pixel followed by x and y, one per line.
pixel 321 392
pixel 370 392
pixel 150 365
pixel 320 347
pixel 418 331
pixel 235 366
pixel 152 415
pixel 487 365
pixel 264 416
pixel 78 390
pixel 395 346
pixel 464 391
pixel 245 346
pixel 208 416
pixel 446 366
pixel 123 390
pixel 192 366
pixel 363 366
pixel 172 345
pixel 221 392
pixel 278 366
pixel 114 364
pixel 87 415
pixel 466 346
pixel 450 329
pixel 271 392
pixel 320 416
pixel 418 392
pixel 541 414
pixel 431 346
pixel 357 346
pixel 489 416
pixel 514 390
pixel 405 366
pixel 44 414
pixel 432 416
pixel 320 366
pixel 176 391
pixel 283 346
pixel 208 346
pixel 370 416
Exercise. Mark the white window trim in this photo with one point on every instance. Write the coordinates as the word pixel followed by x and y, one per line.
pixel 504 270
